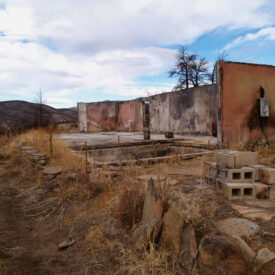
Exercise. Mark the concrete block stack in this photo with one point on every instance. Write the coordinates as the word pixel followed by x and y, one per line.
pixel 239 175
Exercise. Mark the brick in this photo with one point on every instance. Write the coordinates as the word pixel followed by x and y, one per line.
pixel 235 159
pixel 261 191
pixel 257 170
pixel 267 175
pixel 238 190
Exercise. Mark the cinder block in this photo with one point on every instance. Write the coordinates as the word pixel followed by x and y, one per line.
pixel 267 175
pixel 261 191
pixel 225 159
pixel 238 190
pixel 245 159
pixel 257 170
pixel 244 174
pixel 235 159
pixel 272 192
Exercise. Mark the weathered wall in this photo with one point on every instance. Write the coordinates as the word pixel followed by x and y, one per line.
pixel 238 90
pixel 110 116
pixel 190 111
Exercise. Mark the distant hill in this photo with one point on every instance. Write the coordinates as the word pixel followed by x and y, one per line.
pixel 17 113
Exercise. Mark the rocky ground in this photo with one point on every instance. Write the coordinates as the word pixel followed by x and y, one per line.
pixel 110 221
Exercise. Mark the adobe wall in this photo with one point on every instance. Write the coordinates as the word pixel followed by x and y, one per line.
pixel 191 111
pixel 110 116
pixel 238 114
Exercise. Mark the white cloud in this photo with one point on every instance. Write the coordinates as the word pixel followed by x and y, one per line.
pixel 266 33
pixel 68 46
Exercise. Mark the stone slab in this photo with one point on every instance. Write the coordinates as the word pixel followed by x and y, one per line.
pixel 261 203
pixel 254 213
pixel 52 170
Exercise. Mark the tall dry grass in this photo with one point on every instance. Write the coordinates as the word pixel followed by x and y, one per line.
pixel 49 143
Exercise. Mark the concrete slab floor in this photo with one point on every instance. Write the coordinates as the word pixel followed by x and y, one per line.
pixel 107 138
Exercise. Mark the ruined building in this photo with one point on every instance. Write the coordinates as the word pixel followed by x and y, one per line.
pixel 241 107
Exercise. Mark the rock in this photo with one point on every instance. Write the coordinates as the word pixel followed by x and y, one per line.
pixel 172 227
pixel 52 170
pixel 173 182
pixel 151 217
pixel 188 246
pixel 223 255
pixel 263 257
pixel 66 244
pixel 42 162
pixel 237 226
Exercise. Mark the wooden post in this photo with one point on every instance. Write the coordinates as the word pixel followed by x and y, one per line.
pixel 86 157
pixel 119 152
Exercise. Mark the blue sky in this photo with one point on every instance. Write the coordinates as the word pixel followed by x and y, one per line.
pixel 93 50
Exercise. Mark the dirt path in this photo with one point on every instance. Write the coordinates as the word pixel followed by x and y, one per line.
pixel 15 250
pixel 28 239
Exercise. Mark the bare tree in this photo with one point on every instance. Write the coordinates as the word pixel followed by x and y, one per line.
pixel 182 68
pixel 40 101
pixel 198 72
pixel 190 69
pixel 221 57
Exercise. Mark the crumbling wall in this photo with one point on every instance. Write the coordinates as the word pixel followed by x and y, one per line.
pixel 110 116
pixel 238 105
pixel 190 111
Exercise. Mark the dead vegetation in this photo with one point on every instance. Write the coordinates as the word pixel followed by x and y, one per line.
pixel 100 212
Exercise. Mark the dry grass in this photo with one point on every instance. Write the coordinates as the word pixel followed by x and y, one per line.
pixel 130 207
pixel 58 150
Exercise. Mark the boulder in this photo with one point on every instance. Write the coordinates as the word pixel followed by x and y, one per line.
pixel 188 246
pixel 223 255
pixel 171 234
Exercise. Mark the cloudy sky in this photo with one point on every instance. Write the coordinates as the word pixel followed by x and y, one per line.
pixel 93 50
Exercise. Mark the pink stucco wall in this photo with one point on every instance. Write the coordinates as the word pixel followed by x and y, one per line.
pixel 239 91
pixel 114 116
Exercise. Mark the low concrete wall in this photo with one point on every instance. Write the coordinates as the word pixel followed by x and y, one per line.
pixel 191 111
pixel 238 106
